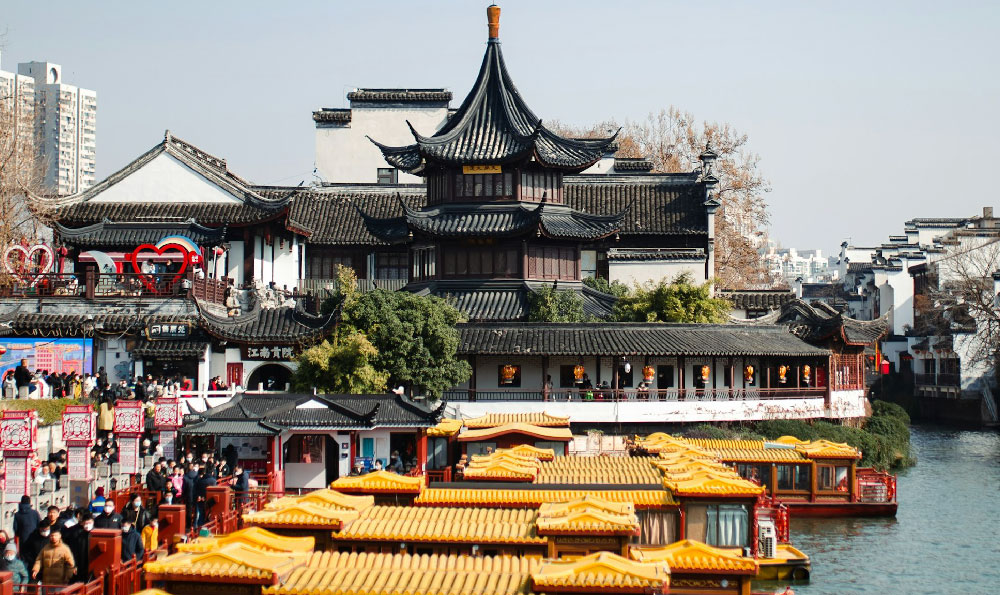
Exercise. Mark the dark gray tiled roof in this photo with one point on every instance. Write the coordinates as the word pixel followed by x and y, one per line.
pixel 222 427
pixel 75 325
pixel 331 115
pixel 658 204
pixel 247 206
pixel 633 164
pixel 509 300
pixel 818 322
pixel 493 220
pixel 859 267
pixel 494 125
pixel 763 299
pixel 399 95
pixel 655 254
pixel 129 235
pixel 283 325
pixel 631 339
pixel 170 349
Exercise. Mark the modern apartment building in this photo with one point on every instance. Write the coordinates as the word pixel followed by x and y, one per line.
pixel 65 128
pixel 17 106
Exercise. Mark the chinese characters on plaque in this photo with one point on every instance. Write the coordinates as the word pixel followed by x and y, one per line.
pixel 275 352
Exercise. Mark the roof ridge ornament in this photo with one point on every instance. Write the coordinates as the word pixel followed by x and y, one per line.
pixel 493 21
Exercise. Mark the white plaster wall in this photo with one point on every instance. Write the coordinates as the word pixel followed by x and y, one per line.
pixel 844 404
pixel 285 269
pixel 343 154
pixel 217 364
pixel 235 271
pixel 204 368
pixel 165 179
pixel 640 272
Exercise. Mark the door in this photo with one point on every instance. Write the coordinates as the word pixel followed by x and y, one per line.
pixel 332 459
pixel 234 374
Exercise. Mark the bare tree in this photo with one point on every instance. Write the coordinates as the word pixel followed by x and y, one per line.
pixel 26 210
pixel 673 139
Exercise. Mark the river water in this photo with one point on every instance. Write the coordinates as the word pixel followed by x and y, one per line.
pixel 945 537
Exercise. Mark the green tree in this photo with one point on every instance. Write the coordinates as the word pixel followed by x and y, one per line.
pixel 680 300
pixel 415 336
pixel 615 288
pixel 548 304
pixel 343 365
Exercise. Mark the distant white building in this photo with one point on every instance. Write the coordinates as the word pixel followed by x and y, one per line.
pixel 65 128
pixel 791 264
pixel 17 96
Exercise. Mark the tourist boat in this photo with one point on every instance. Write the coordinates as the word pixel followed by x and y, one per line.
pixel 788 564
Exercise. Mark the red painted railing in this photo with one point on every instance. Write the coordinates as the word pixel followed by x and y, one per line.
pixel 625 395
pixel 875 486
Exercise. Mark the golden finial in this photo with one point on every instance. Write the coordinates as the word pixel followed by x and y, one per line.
pixel 493 18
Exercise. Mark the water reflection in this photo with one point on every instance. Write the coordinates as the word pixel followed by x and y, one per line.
pixel 945 539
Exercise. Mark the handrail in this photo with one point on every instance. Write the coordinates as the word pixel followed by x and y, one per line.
pixel 92 284
pixel 635 395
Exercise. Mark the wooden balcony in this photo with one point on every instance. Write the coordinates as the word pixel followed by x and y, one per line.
pixel 634 395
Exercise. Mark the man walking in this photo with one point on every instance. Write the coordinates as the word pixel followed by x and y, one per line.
pixel 54 565
pixel 22 378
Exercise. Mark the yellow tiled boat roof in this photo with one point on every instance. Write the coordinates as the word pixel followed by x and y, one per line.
pixel 695 473
pixel 445 525
pixel 504 455
pixel 790 440
pixel 716 444
pixel 492 420
pixel 500 470
pixel 500 498
pixel 685 465
pixel 255 537
pixel 826 449
pixel 588 521
pixel 763 455
pixel 602 570
pixel 543 432
pixel 708 484
pixel 588 502
pixel 446 428
pixel 401 574
pixel 235 561
pixel 542 454
pixel 325 497
pixel 695 556
pixel 379 482
pixel 589 470
pixel 302 514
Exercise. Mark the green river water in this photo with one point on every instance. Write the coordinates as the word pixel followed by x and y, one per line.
pixel 944 539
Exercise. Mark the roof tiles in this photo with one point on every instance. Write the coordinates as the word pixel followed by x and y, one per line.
pixel 379 482
pixel 492 420
pixel 605 571
pixel 695 557
pixel 448 525
pixel 528 498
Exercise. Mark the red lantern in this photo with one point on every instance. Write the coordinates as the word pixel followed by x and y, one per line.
pixel 705 371
pixel 507 374
pixel 647 373
pixel 782 374
pixel 748 374
pixel 578 372
pixel 806 371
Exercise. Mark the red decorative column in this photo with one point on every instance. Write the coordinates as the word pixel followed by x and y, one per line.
pixel 105 551
pixel 130 422
pixel 18 440
pixel 173 522
pixel 166 419
pixel 79 430
pixel 6 583
pixel 422 451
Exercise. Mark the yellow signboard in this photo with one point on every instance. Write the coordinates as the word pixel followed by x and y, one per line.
pixel 481 169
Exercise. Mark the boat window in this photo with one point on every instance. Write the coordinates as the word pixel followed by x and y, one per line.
pixel 756 472
pixel 726 525
pixel 842 479
pixel 793 477
pixel 824 480
pixel 437 453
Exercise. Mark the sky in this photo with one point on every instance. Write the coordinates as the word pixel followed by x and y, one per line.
pixel 864 114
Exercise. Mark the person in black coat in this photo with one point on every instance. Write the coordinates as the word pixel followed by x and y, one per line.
pixel 187 490
pixel 205 481
pixel 36 541
pixel 155 482
pixel 241 484
pixel 77 538
pixel 131 542
pixel 136 514
pixel 26 520
pixel 109 519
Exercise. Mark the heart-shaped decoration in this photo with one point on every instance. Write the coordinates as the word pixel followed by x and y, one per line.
pixel 148 280
pixel 19 261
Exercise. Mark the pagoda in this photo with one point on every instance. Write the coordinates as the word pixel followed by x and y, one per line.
pixel 495 226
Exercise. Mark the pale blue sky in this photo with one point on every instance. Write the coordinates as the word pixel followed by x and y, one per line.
pixel 865 113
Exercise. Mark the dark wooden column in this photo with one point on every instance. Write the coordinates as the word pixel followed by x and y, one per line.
pixel 472 378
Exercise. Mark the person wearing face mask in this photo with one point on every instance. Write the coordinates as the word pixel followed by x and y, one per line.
pixel 136 514
pixel 168 498
pixel 109 519
pixel 54 564
pixel 35 543
pixel 11 563
pixel 131 542
pixel 78 540
pixel 177 481
pixel 97 504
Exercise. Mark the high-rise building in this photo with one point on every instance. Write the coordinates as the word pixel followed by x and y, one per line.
pixel 66 128
pixel 17 109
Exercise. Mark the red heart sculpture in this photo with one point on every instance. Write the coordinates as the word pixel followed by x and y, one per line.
pixel 148 281
pixel 21 269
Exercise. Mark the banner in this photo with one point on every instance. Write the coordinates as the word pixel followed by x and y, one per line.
pixel 54 355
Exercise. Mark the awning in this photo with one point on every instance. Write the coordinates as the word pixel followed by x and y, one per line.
pixel 219 427
pixel 170 349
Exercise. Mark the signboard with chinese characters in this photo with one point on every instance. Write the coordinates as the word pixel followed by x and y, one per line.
pixel 128 454
pixel 130 417
pixel 79 425
pixel 165 331
pixel 481 169
pixel 247 447
pixel 18 433
pixel 17 478
pixel 268 353
pixel 167 414
pixel 79 462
